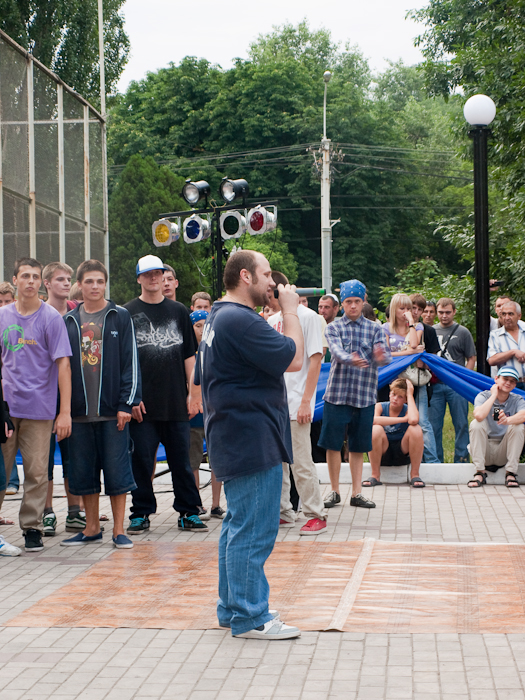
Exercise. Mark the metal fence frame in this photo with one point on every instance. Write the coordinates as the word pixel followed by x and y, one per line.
pixel 90 116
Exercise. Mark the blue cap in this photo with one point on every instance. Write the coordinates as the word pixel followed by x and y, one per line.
pixel 198 315
pixel 508 372
pixel 352 288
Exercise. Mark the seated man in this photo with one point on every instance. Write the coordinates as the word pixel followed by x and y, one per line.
pixel 397 438
pixel 497 431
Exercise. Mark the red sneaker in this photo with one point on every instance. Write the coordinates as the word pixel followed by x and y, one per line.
pixel 285 523
pixel 313 527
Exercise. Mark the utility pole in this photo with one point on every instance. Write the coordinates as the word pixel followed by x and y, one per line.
pixel 326 228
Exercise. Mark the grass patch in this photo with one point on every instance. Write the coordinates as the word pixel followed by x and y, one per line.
pixel 448 434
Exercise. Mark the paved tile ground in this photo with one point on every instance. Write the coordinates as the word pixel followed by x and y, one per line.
pixel 122 664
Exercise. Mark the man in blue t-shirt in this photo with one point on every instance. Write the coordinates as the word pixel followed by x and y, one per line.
pixel 240 365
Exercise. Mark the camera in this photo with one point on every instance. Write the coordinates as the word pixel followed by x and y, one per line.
pixel 496 413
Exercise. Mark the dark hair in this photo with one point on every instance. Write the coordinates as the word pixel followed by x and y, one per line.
pixel 241 260
pixel 279 278
pixel 91 266
pixel 329 297
pixel 387 311
pixel 432 303
pixel 30 262
pixel 368 311
pixel 418 300
pixel 168 268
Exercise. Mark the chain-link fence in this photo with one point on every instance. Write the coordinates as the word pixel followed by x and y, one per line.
pixel 53 196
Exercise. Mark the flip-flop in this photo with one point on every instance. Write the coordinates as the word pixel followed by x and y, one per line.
pixel 417 482
pixel 371 482
pixel 5 521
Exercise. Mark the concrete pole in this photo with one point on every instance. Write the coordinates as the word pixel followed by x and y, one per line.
pixel 326 229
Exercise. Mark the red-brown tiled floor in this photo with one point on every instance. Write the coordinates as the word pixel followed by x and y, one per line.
pixel 406 588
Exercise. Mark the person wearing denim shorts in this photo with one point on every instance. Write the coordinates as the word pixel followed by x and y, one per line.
pixel 240 365
pixel 358 346
pixel 105 387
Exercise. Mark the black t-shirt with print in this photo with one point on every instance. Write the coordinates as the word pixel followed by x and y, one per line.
pixel 165 339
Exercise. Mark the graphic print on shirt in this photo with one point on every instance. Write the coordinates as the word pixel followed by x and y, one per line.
pixel 91 344
pixel 17 334
pixel 442 343
pixel 160 337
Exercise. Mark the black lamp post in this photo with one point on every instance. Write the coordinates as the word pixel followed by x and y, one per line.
pixel 480 111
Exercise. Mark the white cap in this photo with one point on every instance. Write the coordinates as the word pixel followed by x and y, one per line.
pixel 149 263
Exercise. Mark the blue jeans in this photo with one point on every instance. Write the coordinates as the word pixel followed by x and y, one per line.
pixel 247 540
pixel 458 406
pixel 14 479
pixel 430 452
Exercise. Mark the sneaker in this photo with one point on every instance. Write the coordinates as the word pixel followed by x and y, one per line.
pixel 76 522
pixel 11 491
pixel 203 513
pixel 313 527
pixel 274 629
pixel 285 523
pixel 138 525
pixel 361 502
pixel 81 539
pixel 191 522
pixel 122 542
pixel 33 538
pixel 217 513
pixel 274 613
pixel 8 550
pixel 49 522
pixel 334 499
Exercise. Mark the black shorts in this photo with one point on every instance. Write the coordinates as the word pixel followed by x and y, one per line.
pixel 394 456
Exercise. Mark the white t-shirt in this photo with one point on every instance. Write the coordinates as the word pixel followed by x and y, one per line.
pixel 296 381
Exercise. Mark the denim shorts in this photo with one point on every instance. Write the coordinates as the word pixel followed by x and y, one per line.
pixel 96 447
pixel 357 422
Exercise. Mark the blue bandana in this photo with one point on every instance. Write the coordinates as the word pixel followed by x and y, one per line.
pixel 198 315
pixel 352 288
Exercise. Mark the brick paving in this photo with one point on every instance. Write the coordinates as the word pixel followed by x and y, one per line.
pixel 145 664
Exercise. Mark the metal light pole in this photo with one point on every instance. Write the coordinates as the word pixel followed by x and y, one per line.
pixel 326 229
pixel 480 111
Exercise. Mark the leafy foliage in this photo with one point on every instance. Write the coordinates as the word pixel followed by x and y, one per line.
pixel 390 176
pixel 63 35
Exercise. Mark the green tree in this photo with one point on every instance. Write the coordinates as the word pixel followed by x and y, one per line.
pixel 144 191
pixel 63 35
pixel 262 120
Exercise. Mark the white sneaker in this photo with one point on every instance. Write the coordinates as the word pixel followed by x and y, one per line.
pixel 9 550
pixel 274 629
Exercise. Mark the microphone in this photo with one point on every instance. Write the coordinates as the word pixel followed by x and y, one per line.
pixel 305 292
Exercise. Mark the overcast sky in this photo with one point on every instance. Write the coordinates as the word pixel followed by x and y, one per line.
pixel 161 31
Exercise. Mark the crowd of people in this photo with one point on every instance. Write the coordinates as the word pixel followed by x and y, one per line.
pixel 110 383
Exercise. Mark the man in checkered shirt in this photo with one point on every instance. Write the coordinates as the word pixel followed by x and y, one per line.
pixel 358 347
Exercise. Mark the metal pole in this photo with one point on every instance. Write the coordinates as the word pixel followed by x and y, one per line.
pixel 87 216
pixel 481 225
pixel 102 69
pixel 326 229
pixel 31 155
pixel 61 180
pixel 218 253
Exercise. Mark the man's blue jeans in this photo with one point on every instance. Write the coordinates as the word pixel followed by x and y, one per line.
pixel 458 406
pixel 248 535
pixel 430 452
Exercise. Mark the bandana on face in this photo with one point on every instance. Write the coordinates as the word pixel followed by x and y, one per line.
pixel 352 288
pixel 198 316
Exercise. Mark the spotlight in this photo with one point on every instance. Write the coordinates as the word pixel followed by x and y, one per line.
pixel 196 229
pixel 165 232
pixel 233 224
pixel 260 220
pixel 230 190
pixel 195 191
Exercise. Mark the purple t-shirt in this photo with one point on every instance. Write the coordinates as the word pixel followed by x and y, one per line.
pixel 30 347
pixel 398 342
